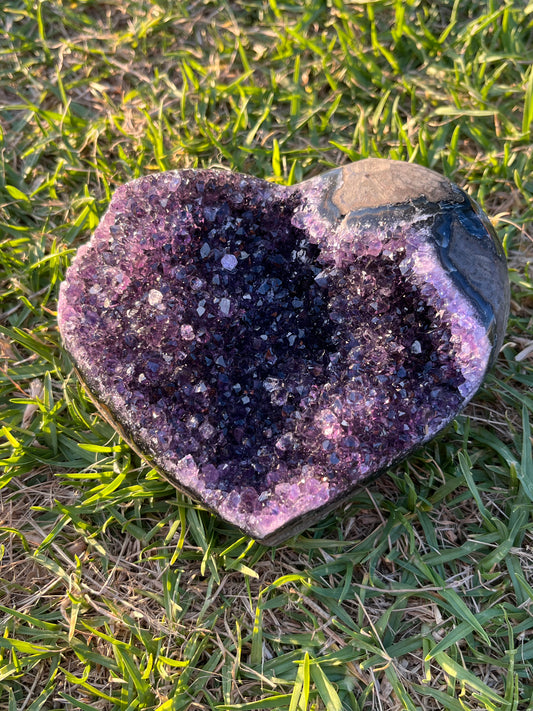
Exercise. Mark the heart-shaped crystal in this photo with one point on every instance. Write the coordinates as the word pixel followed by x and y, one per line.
pixel 268 348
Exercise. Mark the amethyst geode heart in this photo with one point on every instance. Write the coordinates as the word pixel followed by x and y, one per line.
pixel 269 348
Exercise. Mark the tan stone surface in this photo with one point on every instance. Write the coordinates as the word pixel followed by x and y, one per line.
pixel 374 182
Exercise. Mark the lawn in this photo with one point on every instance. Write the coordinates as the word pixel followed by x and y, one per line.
pixel 116 592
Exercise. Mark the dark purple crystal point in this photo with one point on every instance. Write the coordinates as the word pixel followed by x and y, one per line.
pixel 269 348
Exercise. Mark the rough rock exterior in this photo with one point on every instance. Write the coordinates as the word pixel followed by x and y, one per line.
pixel 269 348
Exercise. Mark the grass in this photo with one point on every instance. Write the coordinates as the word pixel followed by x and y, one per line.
pixel 117 592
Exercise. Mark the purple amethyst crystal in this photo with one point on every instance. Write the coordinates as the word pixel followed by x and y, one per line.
pixel 269 348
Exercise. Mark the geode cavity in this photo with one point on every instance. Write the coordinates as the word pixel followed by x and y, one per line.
pixel 269 348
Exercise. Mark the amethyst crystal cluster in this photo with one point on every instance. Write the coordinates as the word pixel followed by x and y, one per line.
pixel 269 348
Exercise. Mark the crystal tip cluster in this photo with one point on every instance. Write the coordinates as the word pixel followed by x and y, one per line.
pixel 269 348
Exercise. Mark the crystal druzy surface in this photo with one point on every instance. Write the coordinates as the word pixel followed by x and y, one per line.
pixel 269 348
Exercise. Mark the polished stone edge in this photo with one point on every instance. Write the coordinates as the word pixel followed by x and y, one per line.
pixel 379 186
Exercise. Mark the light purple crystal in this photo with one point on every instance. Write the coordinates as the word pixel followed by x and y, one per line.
pixel 268 348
